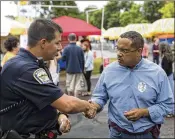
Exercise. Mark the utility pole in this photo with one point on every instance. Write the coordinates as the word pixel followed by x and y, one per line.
pixel 102 22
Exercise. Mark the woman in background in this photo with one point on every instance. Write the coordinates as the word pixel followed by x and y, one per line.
pixel 167 64
pixel 89 63
pixel 12 47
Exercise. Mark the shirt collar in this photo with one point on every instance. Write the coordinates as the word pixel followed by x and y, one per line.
pixel 139 64
pixel 136 67
pixel 25 53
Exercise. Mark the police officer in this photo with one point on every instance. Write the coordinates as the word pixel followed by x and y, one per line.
pixel 26 81
pixel 138 91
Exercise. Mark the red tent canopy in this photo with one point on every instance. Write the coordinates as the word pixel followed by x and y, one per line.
pixel 77 26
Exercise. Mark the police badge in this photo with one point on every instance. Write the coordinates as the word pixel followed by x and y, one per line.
pixel 41 76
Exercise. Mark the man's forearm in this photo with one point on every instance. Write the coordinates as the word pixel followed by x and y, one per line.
pixel 78 105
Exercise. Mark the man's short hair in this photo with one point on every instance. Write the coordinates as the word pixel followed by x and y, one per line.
pixel 72 37
pixel 42 29
pixel 135 37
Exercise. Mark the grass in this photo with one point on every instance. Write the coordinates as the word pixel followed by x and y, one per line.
pixel 97 63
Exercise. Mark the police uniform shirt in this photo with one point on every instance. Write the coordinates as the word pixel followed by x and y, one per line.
pixel 145 86
pixel 23 79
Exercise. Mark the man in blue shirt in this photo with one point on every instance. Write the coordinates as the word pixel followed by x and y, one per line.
pixel 74 57
pixel 29 99
pixel 138 91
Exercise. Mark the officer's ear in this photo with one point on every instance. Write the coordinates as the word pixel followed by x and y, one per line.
pixel 43 43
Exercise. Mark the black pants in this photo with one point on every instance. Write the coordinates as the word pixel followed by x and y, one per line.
pixel 88 79
pixel 156 59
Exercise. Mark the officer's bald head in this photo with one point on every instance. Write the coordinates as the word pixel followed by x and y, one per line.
pixel 72 37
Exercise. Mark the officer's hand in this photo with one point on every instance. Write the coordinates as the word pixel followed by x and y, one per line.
pixel 136 114
pixel 64 123
pixel 92 111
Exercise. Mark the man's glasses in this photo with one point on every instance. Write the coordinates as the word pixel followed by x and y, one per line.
pixel 125 51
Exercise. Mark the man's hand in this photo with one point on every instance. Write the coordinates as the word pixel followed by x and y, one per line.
pixel 64 123
pixel 92 111
pixel 136 114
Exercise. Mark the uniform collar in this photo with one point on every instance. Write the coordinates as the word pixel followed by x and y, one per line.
pixel 25 53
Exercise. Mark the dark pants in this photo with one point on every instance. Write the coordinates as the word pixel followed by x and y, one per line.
pixel 156 59
pixel 120 135
pixel 88 79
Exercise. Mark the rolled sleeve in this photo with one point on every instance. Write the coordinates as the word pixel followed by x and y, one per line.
pixel 164 104
pixel 99 94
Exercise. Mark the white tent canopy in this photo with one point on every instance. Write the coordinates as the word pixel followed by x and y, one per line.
pixel 11 26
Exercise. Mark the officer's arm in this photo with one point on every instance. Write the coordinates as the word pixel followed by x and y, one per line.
pixel 70 104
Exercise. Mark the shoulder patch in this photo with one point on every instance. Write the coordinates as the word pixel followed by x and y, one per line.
pixel 41 76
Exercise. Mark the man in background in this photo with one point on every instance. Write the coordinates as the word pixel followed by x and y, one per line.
pixel 74 57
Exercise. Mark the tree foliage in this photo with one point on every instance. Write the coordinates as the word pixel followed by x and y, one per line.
pixel 134 15
pixel 116 13
pixel 167 10
pixel 57 12
pixel 113 10
pixel 151 10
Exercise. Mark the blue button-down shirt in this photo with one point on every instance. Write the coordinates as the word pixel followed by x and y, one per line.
pixel 145 86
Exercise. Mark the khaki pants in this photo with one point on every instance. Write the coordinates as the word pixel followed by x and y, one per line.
pixel 73 83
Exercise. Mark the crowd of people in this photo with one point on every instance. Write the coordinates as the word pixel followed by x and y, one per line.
pixel 140 92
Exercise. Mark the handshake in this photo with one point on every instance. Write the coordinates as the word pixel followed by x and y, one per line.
pixel 91 110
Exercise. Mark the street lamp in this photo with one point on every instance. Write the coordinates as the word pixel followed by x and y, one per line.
pixel 102 22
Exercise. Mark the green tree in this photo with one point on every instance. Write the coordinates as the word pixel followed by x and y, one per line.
pixel 134 15
pixel 113 10
pixel 95 18
pixel 57 12
pixel 167 10
pixel 111 14
pixel 151 10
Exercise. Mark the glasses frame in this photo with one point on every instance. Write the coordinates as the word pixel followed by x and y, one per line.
pixel 125 51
